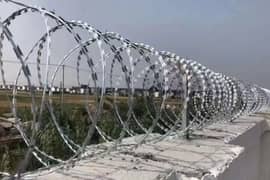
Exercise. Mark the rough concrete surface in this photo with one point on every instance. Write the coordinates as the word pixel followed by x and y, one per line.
pixel 223 151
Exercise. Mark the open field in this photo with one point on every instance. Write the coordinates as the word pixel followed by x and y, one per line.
pixel 23 99
pixel 73 120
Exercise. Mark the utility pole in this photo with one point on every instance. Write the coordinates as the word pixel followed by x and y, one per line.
pixel 185 107
pixel 62 88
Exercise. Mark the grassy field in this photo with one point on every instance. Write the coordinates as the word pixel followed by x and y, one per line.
pixel 23 99
pixel 73 120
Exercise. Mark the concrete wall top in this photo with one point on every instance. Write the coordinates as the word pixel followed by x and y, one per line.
pixel 208 155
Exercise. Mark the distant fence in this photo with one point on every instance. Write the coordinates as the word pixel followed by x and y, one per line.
pixel 178 94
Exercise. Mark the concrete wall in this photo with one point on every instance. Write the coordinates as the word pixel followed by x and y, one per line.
pixel 264 171
pixel 223 151
pixel 254 162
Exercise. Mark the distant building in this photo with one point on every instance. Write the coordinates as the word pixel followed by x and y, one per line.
pixel 109 91
pixel 138 91
pixel 122 91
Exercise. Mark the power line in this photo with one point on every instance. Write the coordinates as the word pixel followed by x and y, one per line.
pixel 57 65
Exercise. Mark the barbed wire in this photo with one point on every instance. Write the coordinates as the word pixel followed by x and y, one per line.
pixel 200 96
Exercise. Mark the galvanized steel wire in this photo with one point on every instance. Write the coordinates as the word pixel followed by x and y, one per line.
pixel 204 96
